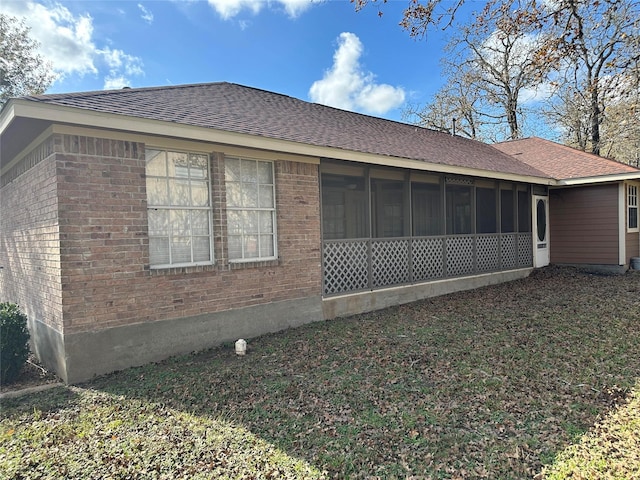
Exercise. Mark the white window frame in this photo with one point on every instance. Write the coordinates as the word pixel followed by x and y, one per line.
pixel 231 207
pixel 632 206
pixel 172 207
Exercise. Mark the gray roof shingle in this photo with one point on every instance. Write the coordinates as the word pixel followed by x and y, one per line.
pixel 235 108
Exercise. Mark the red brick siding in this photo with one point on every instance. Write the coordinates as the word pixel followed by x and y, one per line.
pixel 106 279
pixel 584 225
pixel 29 236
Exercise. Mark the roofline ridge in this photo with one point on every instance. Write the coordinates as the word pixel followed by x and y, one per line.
pixel 115 91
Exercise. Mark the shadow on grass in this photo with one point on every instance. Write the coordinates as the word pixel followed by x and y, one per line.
pixel 491 383
pixel 494 383
pixel 611 449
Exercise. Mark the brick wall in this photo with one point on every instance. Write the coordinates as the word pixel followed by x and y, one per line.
pixel 104 244
pixel 29 238
pixel 103 230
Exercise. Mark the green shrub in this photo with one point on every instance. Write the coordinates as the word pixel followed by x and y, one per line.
pixel 14 341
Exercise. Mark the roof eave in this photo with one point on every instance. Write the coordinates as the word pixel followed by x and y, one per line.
pixel 90 118
pixel 616 177
pixel 7 114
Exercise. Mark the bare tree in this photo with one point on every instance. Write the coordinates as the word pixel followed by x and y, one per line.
pixel 621 124
pixel 589 44
pixel 598 44
pixel 453 110
pixel 489 65
pixel 22 70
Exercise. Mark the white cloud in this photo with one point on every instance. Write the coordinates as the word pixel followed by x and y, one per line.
pixel 147 15
pixel 230 8
pixel 533 95
pixel 346 85
pixel 120 64
pixel 115 83
pixel 66 40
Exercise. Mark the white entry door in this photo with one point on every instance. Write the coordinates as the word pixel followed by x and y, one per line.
pixel 540 231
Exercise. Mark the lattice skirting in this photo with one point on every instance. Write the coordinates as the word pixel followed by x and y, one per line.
pixel 346 267
pixel 389 262
pixel 356 265
pixel 459 256
pixel 525 250
pixel 427 258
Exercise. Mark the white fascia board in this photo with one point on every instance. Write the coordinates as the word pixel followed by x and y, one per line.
pixel 89 118
pixel 7 115
pixel 617 177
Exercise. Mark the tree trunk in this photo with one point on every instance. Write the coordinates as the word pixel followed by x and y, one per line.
pixel 595 119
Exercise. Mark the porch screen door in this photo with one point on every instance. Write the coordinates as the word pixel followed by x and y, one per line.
pixel 540 231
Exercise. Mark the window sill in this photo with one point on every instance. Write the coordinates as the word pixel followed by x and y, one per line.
pixel 176 270
pixel 238 265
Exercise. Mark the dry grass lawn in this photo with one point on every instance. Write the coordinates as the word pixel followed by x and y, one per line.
pixel 537 378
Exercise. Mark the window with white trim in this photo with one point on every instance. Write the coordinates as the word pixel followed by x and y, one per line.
pixel 251 210
pixel 632 206
pixel 179 208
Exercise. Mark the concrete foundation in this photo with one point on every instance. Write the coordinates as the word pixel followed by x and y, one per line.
pixel 88 354
pixel 80 356
pixel 345 305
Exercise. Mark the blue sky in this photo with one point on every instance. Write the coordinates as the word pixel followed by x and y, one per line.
pixel 320 51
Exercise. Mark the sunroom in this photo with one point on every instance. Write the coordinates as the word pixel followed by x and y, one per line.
pixel 384 227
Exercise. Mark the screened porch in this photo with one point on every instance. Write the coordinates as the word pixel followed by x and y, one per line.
pixel 385 227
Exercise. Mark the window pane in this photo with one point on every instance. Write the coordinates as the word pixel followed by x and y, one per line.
pixel 198 167
pixel 200 222
pixel 159 250
pixel 199 194
pixel 633 217
pixel 266 196
pixel 158 222
pixel 201 249
pixel 251 246
pixel 181 250
pixel 235 247
pixel 232 169
pixel 234 222
pixel 266 246
pixel 234 194
pixel 179 192
pixel 485 210
pixel 249 195
pixel 157 191
pixel 251 219
pixel 507 219
pixel 265 172
pixel 156 163
pixel 249 171
pixel 180 222
pixel 178 164
pixel 266 222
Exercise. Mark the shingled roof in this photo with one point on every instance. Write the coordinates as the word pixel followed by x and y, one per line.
pixel 239 109
pixel 561 162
